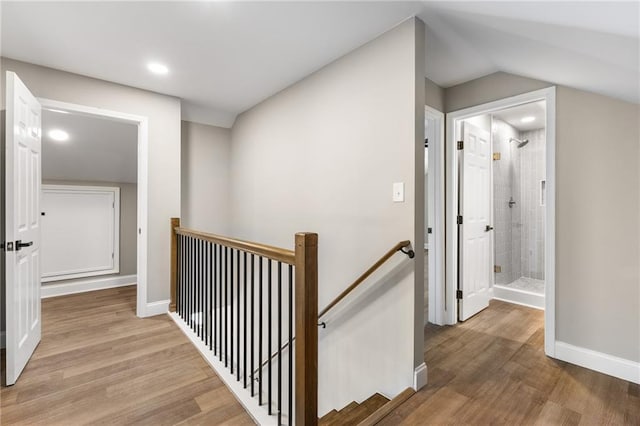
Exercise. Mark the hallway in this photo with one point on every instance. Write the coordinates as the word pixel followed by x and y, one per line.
pixel 98 363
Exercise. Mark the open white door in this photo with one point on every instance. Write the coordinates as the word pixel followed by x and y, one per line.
pixel 22 215
pixel 475 231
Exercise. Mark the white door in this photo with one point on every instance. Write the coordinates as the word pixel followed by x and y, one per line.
pixel 475 230
pixel 22 214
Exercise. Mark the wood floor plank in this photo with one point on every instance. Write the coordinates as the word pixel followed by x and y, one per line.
pixel 98 363
pixel 492 369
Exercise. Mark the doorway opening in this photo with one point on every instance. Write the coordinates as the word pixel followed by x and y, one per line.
pixel 434 299
pixel 119 158
pixel 500 194
pixel 88 203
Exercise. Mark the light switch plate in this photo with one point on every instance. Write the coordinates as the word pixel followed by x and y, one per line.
pixel 398 192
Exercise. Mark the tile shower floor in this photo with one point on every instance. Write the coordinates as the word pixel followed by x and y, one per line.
pixel 527 284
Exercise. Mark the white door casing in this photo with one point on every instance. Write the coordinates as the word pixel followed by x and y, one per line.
pixel 22 215
pixel 475 230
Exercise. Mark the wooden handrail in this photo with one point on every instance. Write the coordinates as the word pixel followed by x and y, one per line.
pixel 367 273
pixel 275 253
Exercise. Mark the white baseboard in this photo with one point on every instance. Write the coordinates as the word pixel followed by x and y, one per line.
pixel 61 289
pixel 608 364
pixel 420 377
pixel 519 297
pixel 157 308
pixel 259 413
pixel 3 342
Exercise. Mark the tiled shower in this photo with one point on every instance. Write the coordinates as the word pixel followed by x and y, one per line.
pixel 519 186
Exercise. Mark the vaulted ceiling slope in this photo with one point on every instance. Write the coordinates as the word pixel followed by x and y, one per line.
pixel 225 57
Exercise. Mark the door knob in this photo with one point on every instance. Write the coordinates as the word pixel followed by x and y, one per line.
pixel 20 244
pixel 488 228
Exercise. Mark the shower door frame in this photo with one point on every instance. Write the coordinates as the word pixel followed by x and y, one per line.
pixel 453 127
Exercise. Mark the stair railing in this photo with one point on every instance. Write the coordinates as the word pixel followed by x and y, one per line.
pixel 218 287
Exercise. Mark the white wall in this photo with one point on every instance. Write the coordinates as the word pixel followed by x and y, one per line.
pixel 597 211
pixel 322 156
pixel 163 113
pixel 205 177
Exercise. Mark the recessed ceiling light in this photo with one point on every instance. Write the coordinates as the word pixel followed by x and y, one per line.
pixel 528 119
pixel 157 68
pixel 58 135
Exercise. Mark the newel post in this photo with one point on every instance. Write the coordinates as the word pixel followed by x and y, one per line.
pixel 175 223
pixel 306 315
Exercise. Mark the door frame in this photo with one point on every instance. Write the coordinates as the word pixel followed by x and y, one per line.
pixel 453 120
pixel 435 199
pixel 143 158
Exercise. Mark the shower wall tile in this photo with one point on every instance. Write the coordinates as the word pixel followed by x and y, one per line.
pixel 532 166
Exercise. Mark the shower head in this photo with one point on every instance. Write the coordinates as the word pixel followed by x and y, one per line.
pixel 520 143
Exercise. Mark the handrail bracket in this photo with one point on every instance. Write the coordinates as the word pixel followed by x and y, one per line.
pixel 408 252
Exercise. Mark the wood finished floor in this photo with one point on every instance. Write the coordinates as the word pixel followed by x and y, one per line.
pixel 492 369
pixel 98 363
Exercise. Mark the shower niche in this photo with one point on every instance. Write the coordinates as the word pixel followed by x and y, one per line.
pixel 519 198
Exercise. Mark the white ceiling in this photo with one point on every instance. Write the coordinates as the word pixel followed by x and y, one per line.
pixel 226 57
pixel 514 115
pixel 98 149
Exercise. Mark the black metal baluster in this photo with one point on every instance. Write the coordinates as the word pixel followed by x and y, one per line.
pixel 290 345
pixel 202 291
pixel 205 295
pixel 244 281
pixel 220 284
pixel 238 317
pixel 215 299
pixel 260 330
pixel 194 283
pixel 186 280
pixel 185 283
pixel 211 281
pixel 183 268
pixel 269 332
pixel 253 323
pixel 205 267
pixel 178 276
pixel 279 343
pixel 231 309
pixel 226 295
pixel 191 282
pixel 198 288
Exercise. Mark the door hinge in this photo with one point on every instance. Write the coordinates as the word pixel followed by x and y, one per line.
pixel 458 294
pixel 426 143
pixel 460 145
pixel 8 246
pixel 112 256
pixel 429 230
pixel 459 220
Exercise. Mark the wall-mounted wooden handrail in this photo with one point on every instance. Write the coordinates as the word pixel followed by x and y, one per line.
pixel 398 247
pixel 275 253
